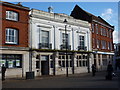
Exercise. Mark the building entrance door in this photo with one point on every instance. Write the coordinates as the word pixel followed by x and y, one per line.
pixel 45 66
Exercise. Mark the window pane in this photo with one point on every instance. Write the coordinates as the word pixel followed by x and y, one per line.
pixel 45 37
pixel 10 64
pixel 64 39
pixel 11 15
pixel 81 41
pixel 2 62
pixel 63 63
pixel 11 35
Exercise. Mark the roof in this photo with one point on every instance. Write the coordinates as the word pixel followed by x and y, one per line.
pixel 77 13
pixel 19 5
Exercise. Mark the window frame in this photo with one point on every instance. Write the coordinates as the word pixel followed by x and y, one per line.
pixel 64 39
pixel 13 58
pixel 82 41
pixel 93 28
pixel 96 27
pixel 11 36
pixel 9 16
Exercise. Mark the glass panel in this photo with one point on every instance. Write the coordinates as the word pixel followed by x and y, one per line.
pixel 64 39
pixel 52 64
pixel 44 58
pixel 10 63
pixel 77 63
pixel 11 15
pixel 45 36
pixel 59 57
pixel 63 57
pixel 83 63
pixel 70 63
pixel 17 62
pixel 37 64
pixel 59 62
pixel 63 63
pixel 11 35
pixel 80 64
pixel 81 41
pixel 2 62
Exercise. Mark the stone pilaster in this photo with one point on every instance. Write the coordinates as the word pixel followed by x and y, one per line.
pixel 91 61
pixel 55 60
pixel 74 64
pixel 97 64
pixel 101 62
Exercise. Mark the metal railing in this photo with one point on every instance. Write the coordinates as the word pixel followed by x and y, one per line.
pixel 63 47
pixel 82 48
pixel 45 46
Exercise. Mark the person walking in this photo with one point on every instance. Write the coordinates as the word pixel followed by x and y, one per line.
pixel 3 72
pixel 93 70
pixel 109 71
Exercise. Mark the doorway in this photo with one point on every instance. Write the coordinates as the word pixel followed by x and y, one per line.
pixel 44 68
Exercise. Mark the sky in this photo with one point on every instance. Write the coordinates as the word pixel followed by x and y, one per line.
pixel 107 10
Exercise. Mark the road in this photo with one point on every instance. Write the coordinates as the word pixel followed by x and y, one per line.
pixel 73 81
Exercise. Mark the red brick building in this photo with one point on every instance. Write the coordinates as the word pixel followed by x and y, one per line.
pixel 102 37
pixel 14 38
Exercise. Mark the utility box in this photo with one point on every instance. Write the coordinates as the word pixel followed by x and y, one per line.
pixel 30 75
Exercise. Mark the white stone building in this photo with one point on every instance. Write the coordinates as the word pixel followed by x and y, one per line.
pixel 48 33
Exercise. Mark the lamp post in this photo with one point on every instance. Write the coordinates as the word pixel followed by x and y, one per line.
pixel 65 21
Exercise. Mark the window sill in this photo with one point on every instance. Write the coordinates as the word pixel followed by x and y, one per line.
pixel 14 68
pixel 10 43
pixel 12 20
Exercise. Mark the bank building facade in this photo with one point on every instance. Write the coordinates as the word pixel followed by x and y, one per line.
pixel 59 44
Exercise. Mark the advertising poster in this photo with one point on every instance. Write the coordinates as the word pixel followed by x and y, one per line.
pixel 17 62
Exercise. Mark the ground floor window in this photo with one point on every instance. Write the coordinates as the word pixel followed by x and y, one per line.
pixel 82 61
pixel 51 64
pixel 63 62
pixel 38 64
pixel 104 62
pixel 11 60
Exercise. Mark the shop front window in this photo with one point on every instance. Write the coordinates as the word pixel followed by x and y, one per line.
pixel 11 61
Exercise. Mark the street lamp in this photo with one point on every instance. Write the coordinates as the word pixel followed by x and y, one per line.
pixel 65 21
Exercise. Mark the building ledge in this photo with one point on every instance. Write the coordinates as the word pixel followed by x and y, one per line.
pixel 51 50
pixel 14 48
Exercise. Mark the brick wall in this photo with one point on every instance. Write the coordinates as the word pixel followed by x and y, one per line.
pixel 21 25
pixel 102 37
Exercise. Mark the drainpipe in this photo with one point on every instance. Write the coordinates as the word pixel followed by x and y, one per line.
pixel 54 68
pixel 73 50
pixel 88 54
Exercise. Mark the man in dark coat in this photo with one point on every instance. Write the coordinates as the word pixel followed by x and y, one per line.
pixel 3 72
pixel 93 70
pixel 109 71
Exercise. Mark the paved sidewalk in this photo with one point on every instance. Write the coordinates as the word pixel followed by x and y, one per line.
pixel 84 80
pixel 47 76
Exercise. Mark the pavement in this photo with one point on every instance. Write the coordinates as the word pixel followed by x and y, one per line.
pixel 84 80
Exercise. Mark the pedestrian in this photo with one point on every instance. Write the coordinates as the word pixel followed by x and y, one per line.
pixel 3 72
pixel 109 71
pixel 93 70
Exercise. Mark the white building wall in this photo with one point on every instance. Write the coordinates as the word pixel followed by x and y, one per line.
pixel 54 24
pixel 59 28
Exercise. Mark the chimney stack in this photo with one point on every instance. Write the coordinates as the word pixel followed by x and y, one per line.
pixel 50 9
pixel 19 3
